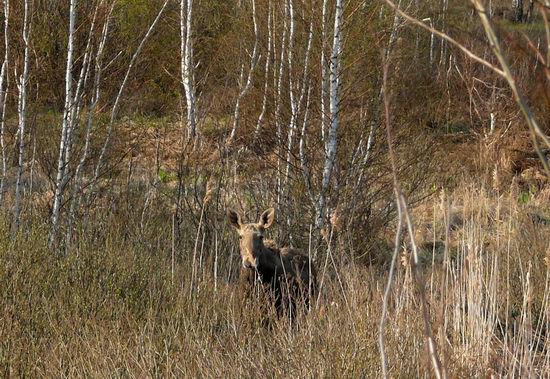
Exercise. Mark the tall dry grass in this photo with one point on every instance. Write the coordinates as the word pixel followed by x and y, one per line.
pixel 109 307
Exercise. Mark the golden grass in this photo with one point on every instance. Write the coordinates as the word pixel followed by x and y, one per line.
pixel 109 308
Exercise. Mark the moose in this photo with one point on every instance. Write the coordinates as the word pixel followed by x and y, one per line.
pixel 285 274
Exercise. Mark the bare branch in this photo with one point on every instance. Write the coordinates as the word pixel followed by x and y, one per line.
pixel 534 127
pixel 446 37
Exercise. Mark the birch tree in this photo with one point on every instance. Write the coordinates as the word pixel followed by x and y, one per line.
pixel 96 87
pixel 324 73
pixel 66 125
pixel 71 111
pixel 71 115
pixel 187 64
pixel 278 105
pixel 517 6
pixel 291 92
pixel 3 96
pixel 332 142
pixel 22 82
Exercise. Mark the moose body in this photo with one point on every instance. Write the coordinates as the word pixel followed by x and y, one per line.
pixel 286 274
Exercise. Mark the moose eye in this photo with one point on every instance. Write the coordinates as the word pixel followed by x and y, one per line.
pixel 261 237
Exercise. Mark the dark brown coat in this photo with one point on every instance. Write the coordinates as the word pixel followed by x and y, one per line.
pixel 287 275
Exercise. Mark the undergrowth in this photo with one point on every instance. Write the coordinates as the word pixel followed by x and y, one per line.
pixel 115 305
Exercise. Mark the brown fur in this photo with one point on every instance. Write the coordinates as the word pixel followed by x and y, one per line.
pixel 286 274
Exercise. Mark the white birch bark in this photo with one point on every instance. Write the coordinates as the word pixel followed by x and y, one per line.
pixel 443 43
pixel 291 91
pixel 517 6
pixel 332 143
pixel 429 21
pixel 98 68
pixel 66 125
pixel 22 114
pixel 325 79
pixel 187 65
pixel 246 86
pixel 3 96
pixel 278 104
pixel 302 148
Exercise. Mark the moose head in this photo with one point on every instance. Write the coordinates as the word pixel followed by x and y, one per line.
pixel 252 236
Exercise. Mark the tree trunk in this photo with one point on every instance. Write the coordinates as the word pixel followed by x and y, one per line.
pixel 278 106
pixel 22 115
pixel 187 68
pixel 332 143
pixel 3 96
pixel 325 79
pixel 517 6
pixel 98 59
pixel 66 125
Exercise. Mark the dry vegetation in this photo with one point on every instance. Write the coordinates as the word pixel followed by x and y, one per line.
pixel 111 306
pixel 143 279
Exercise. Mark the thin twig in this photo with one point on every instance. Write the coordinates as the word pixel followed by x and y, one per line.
pixel 446 37
pixel 534 127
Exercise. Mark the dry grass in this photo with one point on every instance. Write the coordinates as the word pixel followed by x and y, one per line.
pixel 109 308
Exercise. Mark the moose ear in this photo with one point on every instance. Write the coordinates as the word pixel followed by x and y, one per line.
pixel 234 218
pixel 267 218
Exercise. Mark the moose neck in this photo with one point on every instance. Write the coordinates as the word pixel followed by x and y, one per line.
pixel 268 263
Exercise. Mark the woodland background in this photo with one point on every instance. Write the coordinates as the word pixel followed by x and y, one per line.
pixel 129 127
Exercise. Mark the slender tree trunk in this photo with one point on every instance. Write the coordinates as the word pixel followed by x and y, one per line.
pixel 66 126
pixel 187 65
pixel 302 148
pixel 22 115
pixel 325 78
pixel 517 6
pixel 74 117
pixel 278 105
pixel 98 66
pixel 443 43
pixel 297 99
pixel 332 143
pixel 291 90
pixel 530 10
pixel 3 97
